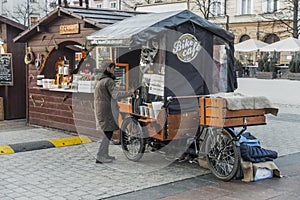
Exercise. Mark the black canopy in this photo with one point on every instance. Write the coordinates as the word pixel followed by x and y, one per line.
pixel 196 76
pixel 139 29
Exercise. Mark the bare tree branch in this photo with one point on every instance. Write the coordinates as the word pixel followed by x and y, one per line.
pixel 287 16
pixel 204 7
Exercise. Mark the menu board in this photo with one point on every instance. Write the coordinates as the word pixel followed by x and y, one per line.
pixel 121 73
pixel 6 72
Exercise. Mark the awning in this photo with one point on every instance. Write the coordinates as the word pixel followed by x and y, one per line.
pixel 288 44
pixel 249 45
pixel 139 29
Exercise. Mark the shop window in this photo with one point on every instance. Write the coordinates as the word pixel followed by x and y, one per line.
pixel 113 4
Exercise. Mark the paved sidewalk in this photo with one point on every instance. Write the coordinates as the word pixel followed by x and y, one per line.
pixel 71 172
pixel 207 187
pixel 283 188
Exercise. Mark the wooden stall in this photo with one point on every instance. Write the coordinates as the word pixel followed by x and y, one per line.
pixel 12 70
pixel 56 53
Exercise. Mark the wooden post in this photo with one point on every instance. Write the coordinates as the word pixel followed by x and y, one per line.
pixel 1 109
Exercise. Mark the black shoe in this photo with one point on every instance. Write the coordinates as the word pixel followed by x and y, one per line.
pixel 116 142
pixel 103 160
pixel 111 157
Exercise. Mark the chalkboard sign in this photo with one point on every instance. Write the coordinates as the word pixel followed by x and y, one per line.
pixel 121 73
pixel 6 71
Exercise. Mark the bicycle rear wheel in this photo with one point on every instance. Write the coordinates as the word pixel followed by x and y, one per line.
pixel 223 155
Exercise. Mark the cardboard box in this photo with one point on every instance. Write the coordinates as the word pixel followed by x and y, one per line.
pixel 203 162
pixel 86 86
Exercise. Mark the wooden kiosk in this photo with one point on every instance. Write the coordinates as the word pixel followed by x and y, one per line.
pixel 56 50
pixel 12 71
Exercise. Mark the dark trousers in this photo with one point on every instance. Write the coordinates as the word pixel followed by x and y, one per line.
pixel 103 149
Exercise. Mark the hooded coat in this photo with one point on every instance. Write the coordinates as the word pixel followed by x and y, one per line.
pixel 106 106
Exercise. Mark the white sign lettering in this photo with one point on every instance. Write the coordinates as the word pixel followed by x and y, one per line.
pixel 186 47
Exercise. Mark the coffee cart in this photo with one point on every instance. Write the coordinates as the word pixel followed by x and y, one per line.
pixel 179 63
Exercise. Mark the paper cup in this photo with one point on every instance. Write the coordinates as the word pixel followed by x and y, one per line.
pixel 142 110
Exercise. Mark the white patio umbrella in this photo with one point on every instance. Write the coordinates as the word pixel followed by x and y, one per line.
pixel 288 44
pixel 249 45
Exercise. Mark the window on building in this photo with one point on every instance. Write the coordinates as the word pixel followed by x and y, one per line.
pixel 98 5
pixel 33 1
pixel 270 6
pixel 271 38
pixel 113 4
pixel 4 1
pixel 246 7
pixel 33 20
pixel 244 38
pixel 216 8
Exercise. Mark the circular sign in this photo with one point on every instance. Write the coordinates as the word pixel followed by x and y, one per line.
pixel 186 47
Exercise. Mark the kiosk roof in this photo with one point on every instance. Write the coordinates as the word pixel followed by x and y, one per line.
pixel 138 29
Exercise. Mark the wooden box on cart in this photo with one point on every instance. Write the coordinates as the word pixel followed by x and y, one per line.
pixel 214 112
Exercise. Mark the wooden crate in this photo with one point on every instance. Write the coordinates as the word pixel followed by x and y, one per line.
pixel 213 112
pixel 125 107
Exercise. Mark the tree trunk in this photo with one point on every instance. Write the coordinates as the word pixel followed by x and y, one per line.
pixel 295 19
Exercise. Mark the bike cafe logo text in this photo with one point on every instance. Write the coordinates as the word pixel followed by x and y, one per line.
pixel 186 47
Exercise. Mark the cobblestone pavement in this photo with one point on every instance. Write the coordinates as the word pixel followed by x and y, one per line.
pixel 71 172
pixel 282 131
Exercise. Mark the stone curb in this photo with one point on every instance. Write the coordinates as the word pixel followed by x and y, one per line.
pixel 44 144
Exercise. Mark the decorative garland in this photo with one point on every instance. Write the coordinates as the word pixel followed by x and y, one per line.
pixel 29 57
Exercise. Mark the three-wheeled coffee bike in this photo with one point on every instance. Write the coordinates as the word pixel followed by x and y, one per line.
pixel 179 63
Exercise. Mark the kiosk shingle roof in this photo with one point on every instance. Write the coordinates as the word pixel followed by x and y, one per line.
pixel 96 17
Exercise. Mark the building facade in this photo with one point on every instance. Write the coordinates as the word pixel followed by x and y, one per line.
pixel 28 12
pixel 266 20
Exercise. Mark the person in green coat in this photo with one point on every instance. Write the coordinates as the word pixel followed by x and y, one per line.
pixel 106 98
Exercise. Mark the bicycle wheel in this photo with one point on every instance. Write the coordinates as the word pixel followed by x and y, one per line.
pixel 223 155
pixel 132 141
